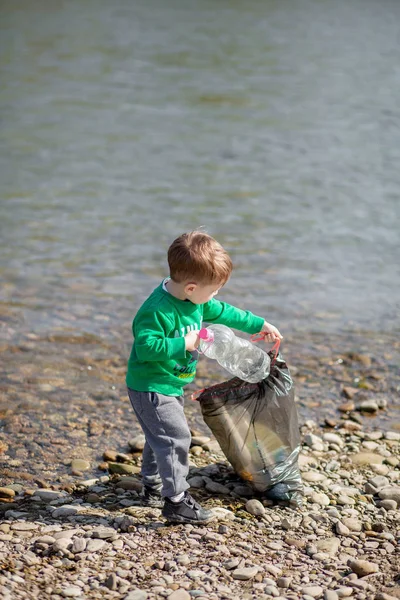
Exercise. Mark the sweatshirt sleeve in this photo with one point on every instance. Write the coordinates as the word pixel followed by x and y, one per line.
pixel 215 311
pixel 150 329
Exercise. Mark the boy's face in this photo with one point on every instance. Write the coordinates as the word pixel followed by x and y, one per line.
pixel 199 293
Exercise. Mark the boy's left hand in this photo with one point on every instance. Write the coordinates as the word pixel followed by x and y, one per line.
pixel 272 333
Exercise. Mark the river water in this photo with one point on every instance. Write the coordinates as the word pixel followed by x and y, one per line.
pixel 274 125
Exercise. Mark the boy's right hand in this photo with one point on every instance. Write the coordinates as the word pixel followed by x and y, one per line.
pixel 192 340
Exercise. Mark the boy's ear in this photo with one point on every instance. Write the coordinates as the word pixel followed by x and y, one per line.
pixel 190 288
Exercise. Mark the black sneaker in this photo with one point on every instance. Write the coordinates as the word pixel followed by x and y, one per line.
pixel 151 497
pixel 186 511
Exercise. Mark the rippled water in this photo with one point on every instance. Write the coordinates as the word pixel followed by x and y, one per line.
pixel 274 125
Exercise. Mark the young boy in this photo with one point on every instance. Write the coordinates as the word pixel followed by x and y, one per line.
pixel 164 358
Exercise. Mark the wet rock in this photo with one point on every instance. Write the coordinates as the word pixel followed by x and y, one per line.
pixel 349 392
pixel 123 468
pixel 78 464
pixel 346 407
pixel 368 406
pixel 110 456
pixel 130 483
pixel 6 492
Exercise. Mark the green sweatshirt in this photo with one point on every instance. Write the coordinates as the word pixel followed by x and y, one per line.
pixel 158 360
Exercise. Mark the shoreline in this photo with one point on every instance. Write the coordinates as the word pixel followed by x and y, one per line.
pixel 60 450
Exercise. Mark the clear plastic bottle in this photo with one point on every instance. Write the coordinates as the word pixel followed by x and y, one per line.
pixel 240 357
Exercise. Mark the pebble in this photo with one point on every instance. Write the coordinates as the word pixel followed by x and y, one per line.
pixel 130 483
pixel 78 545
pixel 314 442
pixel 137 443
pixel 123 468
pixel 349 516
pixel 328 546
pixel 49 495
pixel 341 529
pixel 137 595
pixel 179 594
pixel 71 592
pixel 6 492
pixel 94 545
pixel 392 435
pixel 24 526
pixel 313 476
pixel 78 464
pixel 352 524
pixel 64 511
pixel 369 406
pixel 366 458
pixel 344 591
pixel 330 595
pixel 284 582
pixel 216 488
pixel 320 498
pixel 254 507
pixel 391 493
pixel 363 567
pixel 315 591
pixel 333 438
pixel 245 573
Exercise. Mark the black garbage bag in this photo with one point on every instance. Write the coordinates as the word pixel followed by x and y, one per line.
pixel 257 428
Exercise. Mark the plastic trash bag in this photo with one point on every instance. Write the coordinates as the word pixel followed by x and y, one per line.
pixel 257 428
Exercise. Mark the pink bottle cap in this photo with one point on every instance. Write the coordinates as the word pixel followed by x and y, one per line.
pixel 206 335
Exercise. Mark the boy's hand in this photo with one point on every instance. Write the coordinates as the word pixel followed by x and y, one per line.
pixel 192 340
pixel 272 333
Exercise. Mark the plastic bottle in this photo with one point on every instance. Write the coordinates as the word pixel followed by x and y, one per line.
pixel 238 356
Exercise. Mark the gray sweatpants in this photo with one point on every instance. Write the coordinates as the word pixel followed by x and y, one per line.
pixel 165 460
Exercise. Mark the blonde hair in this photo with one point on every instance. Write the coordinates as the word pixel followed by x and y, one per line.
pixel 196 256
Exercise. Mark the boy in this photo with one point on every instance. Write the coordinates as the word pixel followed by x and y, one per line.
pixel 164 358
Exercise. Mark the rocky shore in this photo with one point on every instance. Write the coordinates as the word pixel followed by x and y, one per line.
pixel 93 540
pixel 70 521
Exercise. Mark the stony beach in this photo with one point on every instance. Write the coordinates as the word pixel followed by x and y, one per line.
pixel 70 452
